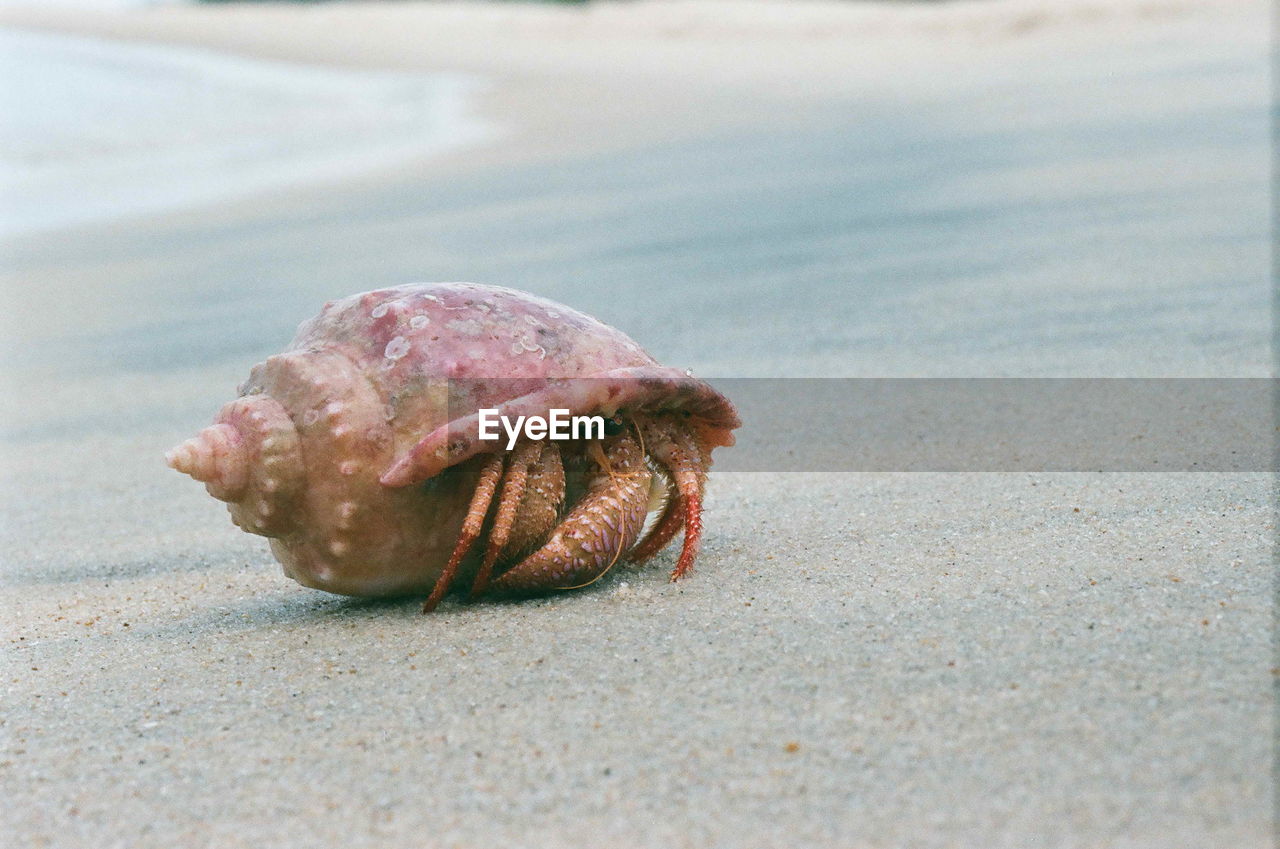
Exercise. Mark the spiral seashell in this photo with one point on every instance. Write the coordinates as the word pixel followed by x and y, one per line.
pixel 355 450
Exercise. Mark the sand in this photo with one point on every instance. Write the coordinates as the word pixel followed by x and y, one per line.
pixel 861 659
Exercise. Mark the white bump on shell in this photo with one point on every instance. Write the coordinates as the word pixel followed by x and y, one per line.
pixel 396 348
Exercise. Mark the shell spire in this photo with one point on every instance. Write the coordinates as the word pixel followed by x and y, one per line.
pixel 216 456
pixel 250 458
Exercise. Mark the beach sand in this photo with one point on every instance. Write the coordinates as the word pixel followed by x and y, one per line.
pixel 859 660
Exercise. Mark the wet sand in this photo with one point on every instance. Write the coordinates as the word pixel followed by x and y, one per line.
pixel 860 659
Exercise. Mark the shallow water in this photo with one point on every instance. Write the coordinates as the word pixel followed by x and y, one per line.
pixel 92 131
pixel 1108 226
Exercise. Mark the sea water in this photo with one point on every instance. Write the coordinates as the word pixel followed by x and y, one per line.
pixel 92 130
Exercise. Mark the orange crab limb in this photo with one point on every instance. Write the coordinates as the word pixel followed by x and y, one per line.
pixel 603 525
pixel 513 489
pixel 490 474
pixel 663 531
pixel 692 533
pixel 687 462
pixel 539 511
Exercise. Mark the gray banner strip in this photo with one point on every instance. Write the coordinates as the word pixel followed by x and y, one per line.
pixel 923 424
pixel 1002 425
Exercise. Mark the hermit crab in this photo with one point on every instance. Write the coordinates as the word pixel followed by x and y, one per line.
pixel 366 452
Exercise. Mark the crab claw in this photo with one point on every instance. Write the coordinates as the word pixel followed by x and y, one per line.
pixel 217 457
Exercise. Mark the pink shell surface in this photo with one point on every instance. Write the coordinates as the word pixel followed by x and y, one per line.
pixel 466 330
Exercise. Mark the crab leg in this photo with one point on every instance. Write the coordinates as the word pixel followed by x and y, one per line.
pixel 677 450
pixel 528 507
pixel 603 525
pixel 490 474
pixel 663 531
pixel 539 511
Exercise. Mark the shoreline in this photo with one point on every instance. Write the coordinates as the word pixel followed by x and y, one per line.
pixel 205 128
pixel 552 83
pixel 572 81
